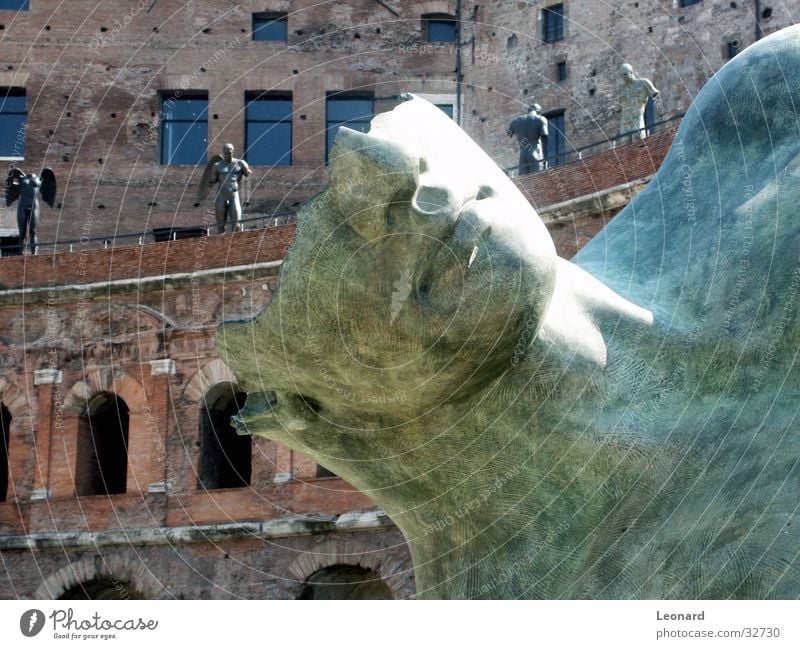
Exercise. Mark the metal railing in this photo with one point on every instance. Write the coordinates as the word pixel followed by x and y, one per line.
pixel 167 233
pixel 595 148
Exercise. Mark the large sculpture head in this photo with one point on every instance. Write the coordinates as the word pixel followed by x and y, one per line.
pixel 412 278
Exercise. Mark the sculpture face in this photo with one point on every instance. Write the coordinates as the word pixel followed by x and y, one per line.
pixel 627 72
pixel 413 276
pixel 227 152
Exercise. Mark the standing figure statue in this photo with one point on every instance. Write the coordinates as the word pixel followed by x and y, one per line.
pixel 229 173
pixel 531 133
pixel 27 188
pixel 631 102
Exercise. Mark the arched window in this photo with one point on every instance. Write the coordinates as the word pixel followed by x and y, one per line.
pixel 225 456
pixel 5 423
pixel 345 582
pixel 102 461
pixel 102 589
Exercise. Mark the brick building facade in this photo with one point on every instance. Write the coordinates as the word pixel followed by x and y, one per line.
pixel 121 339
pixel 108 87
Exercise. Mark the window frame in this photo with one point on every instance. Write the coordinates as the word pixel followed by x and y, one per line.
pixel 437 99
pixel 26 7
pixel 264 95
pixel 13 153
pixel 269 18
pixel 553 33
pixel 165 97
pixel 557 158
pixel 344 95
pixel 433 18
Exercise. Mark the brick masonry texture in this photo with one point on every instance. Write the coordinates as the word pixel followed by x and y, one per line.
pixel 93 101
pixel 93 73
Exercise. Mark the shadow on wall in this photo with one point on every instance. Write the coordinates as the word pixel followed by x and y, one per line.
pixel 345 582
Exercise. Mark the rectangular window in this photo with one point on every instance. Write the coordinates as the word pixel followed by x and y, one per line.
pixel 13 121
pixel 447 109
pixel 268 26
pixel 354 111
pixel 561 71
pixel 184 129
pixel 268 129
pixel 14 5
pixel 556 139
pixel 553 23
pixel 439 28
pixel 732 47
pixel 688 3
pixel 649 116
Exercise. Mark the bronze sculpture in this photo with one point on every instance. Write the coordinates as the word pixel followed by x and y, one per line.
pixel 229 173
pixel 621 425
pixel 531 131
pixel 27 188
pixel 631 102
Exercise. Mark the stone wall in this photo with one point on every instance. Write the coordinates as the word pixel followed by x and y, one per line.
pixel 507 66
pixel 93 73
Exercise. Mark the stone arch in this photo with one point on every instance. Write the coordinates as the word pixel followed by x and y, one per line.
pixel 225 459
pixel 142 441
pixel 113 570
pixel 350 552
pixel 15 399
pixel 105 379
pixel 345 581
pixel 213 372
pixel 436 7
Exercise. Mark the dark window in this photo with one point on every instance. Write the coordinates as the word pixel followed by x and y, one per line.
pixel 270 27
pixel 440 28
pixel 322 472
pixel 556 139
pixel 184 129
pixel 350 110
pixel 561 71
pixel 649 116
pixel 5 423
pixel 102 589
pixel 268 129
pixel 553 23
pixel 733 47
pixel 13 121
pixel 14 5
pixel 447 109
pixel 345 582
pixel 102 461
pixel 225 456
pixel 689 3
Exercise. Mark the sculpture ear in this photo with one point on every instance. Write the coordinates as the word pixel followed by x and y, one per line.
pixel 367 174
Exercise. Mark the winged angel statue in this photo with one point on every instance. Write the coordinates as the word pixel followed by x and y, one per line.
pixel 26 188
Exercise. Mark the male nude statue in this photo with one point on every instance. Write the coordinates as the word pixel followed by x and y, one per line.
pixel 228 172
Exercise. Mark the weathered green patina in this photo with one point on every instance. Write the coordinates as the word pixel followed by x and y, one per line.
pixel 619 426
